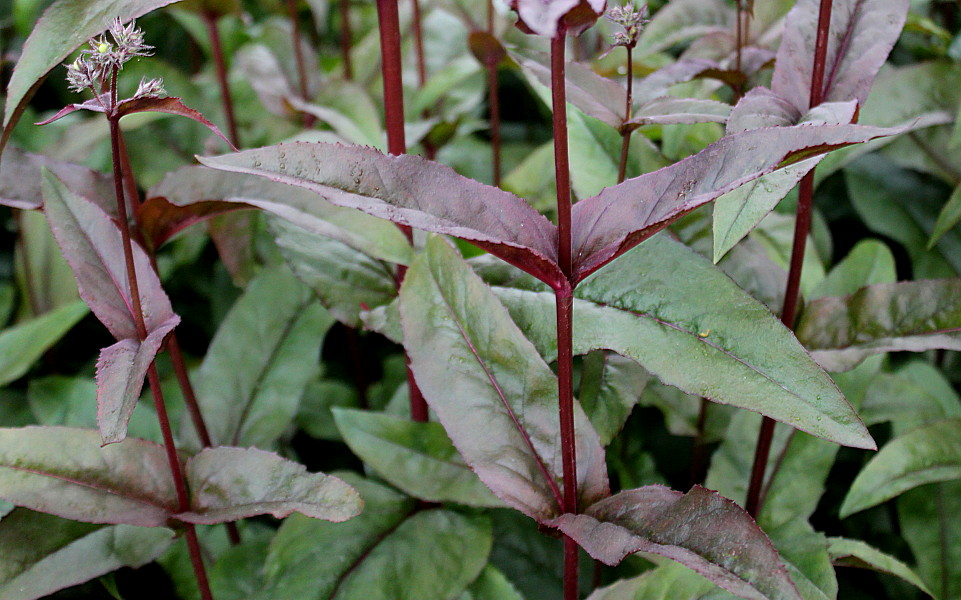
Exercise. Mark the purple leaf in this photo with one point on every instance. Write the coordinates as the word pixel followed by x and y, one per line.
pixel 61 29
pixel 98 104
pixel 861 36
pixel 92 244
pixel 700 529
pixel 64 472
pixel 623 216
pixel 760 108
pixel 227 484
pixel 160 220
pixel 411 191
pixel 659 82
pixel 671 111
pixel 20 180
pixel 173 106
pixel 121 369
pixel 550 17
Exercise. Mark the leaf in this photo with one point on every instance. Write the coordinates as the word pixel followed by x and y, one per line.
pixel 550 17
pixel 44 279
pixel 411 191
pixel 927 523
pixel 493 393
pixel 668 111
pixel 620 217
pixel 417 458
pixel 869 262
pixel 390 551
pixel 91 243
pixel 260 361
pixel 700 529
pixel 63 27
pixel 610 386
pixel 491 584
pixel 65 472
pixel 22 345
pixel 723 345
pixel 121 369
pixel 376 237
pixel 911 315
pixel 859 41
pixel 913 395
pixel 160 220
pixel 665 582
pixel 949 216
pixel 60 553
pixel 805 555
pixel 927 454
pixel 682 21
pixel 227 484
pixel 20 179
pixel 855 553
pixel 346 280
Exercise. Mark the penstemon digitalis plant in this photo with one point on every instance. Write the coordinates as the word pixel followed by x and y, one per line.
pixel 481 336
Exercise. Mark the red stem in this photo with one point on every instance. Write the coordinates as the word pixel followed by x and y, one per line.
pixel 345 39
pixel 629 105
pixel 299 58
pixel 210 20
pixel 493 102
pixel 183 501
pixel 564 303
pixel 419 45
pixel 802 227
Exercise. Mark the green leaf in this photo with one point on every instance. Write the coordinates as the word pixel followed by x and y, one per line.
pixel 62 553
pixel 315 416
pixel 911 315
pixel 344 278
pixel 261 360
pixel 927 454
pixel 390 552
pixel 928 519
pixel 493 393
pixel 65 472
pixel 915 394
pixel 700 529
pixel 855 553
pixel 609 388
pixel 227 484
pixel 869 262
pixel 688 324
pixel 805 554
pixel 947 218
pixel 22 345
pixel 666 582
pixel 43 275
pixel 62 28
pixel 417 458
pixel 491 585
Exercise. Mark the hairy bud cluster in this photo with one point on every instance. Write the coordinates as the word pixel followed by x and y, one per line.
pixel 97 62
pixel 631 19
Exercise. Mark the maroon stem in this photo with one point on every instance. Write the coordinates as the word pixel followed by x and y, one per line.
pixel 490 17
pixel 217 49
pixel 564 302
pixel 738 35
pixel 493 102
pixel 802 227
pixel 389 24
pixel 345 39
pixel 173 460
pixel 629 105
pixel 419 45
pixel 299 58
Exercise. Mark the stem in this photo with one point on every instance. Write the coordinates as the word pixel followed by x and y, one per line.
pixel 490 17
pixel 493 102
pixel 389 24
pixel 564 303
pixel 802 227
pixel 345 39
pixel 299 58
pixel 629 106
pixel 173 460
pixel 698 454
pixel 419 45
pixel 738 35
pixel 210 20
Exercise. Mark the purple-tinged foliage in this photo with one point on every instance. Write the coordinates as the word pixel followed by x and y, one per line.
pixel 20 180
pixel 699 529
pixel 557 17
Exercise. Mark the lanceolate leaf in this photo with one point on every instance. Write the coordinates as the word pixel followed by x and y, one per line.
pixel 92 245
pixel 861 36
pixel 121 369
pixel 261 359
pixel 546 17
pixel 65 472
pixel 491 390
pixel 700 529
pixel 63 27
pixel 160 220
pixel 411 191
pixel 22 345
pixel 914 316
pixel 43 553
pixel 227 484
pixel 926 517
pixel 20 180
pixel 666 582
pixel 620 217
pixel 692 327
pixel 389 551
pixel 927 454
pixel 418 458
pixel 855 553
pixel 190 186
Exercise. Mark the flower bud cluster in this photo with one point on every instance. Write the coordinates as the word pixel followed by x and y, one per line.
pixel 631 19
pixel 97 62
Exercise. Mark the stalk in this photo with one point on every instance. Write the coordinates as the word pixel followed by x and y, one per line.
pixel 299 58
pixel 389 24
pixel 180 485
pixel 217 49
pixel 493 103
pixel 629 106
pixel 419 45
pixel 802 227
pixel 345 39
pixel 564 302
